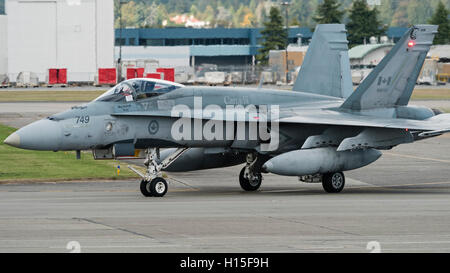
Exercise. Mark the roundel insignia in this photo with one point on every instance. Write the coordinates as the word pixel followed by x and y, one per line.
pixel 153 127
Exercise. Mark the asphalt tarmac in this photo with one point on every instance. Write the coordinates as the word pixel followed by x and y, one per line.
pixel 401 203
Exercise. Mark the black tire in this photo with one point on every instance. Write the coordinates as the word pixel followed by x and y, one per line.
pixel 158 187
pixel 333 182
pixel 249 185
pixel 145 188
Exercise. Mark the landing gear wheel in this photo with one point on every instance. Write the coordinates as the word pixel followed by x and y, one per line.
pixel 247 184
pixel 158 187
pixel 145 188
pixel 333 182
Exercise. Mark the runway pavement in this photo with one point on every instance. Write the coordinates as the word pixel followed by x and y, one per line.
pixel 19 114
pixel 402 202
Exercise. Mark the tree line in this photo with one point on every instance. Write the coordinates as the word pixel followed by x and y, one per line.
pixel 253 13
pixel 363 22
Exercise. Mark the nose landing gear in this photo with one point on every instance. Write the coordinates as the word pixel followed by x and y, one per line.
pixel 157 187
pixel 152 183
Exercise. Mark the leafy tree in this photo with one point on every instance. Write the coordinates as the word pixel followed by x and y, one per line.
pixel 302 10
pixel 274 35
pixel 363 23
pixel 238 16
pixel 294 22
pixel 194 10
pixel 328 12
pixel 209 14
pixel 129 15
pixel 153 16
pixel 440 18
pixel 223 17
pixel 400 17
pixel 307 12
pixel 419 12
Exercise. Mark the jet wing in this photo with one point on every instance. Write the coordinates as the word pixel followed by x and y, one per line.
pixel 330 117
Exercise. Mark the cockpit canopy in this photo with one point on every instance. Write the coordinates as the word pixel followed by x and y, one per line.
pixel 138 89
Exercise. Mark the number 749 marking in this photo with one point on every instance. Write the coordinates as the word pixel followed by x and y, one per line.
pixel 82 119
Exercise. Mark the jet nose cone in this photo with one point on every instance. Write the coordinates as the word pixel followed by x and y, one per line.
pixel 40 135
pixel 13 140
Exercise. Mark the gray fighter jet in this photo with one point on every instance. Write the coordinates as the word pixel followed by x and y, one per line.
pixel 316 131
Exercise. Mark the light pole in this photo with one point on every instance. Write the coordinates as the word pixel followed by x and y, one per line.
pixel 286 5
pixel 119 61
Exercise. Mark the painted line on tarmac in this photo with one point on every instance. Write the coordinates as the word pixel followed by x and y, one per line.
pixel 418 157
pixel 401 185
pixel 369 186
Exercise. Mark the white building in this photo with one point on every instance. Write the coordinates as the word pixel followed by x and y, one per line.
pixel 73 34
pixel 3 45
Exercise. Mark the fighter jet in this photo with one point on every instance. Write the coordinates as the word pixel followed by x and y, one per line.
pixel 316 131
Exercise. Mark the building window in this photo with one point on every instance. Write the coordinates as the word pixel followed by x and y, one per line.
pixel 199 41
pixel 132 41
pixel 2 7
pixel 240 41
pixel 120 41
pixel 227 41
pixel 178 42
pixel 151 42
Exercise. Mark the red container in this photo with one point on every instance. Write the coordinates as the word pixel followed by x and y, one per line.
pixel 52 76
pixel 107 76
pixel 140 72
pixel 57 76
pixel 169 73
pixel 153 75
pixel 135 73
pixel 62 76
pixel 131 73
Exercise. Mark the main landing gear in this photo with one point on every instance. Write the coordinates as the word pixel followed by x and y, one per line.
pixel 250 177
pixel 153 184
pixel 333 182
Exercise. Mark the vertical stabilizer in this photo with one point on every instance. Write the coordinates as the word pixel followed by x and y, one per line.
pixel 326 67
pixel 392 81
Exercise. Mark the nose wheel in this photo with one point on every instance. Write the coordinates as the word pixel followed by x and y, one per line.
pixel 152 183
pixel 157 187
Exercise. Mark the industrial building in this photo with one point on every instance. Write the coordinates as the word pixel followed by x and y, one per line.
pixel 220 46
pixel 368 56
pixel 76 35
pixel 76 38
